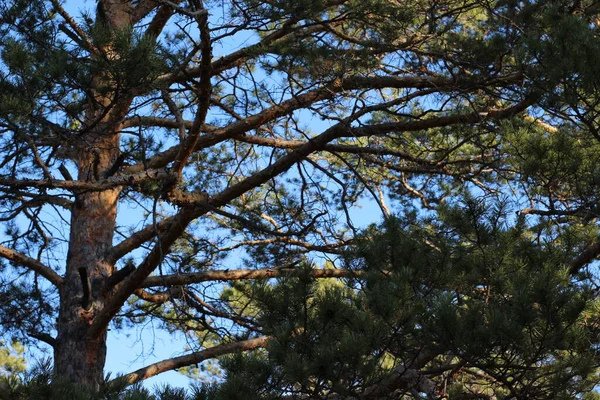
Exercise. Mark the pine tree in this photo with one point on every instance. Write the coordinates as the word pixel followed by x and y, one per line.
pixel 164 160
pixel 465 306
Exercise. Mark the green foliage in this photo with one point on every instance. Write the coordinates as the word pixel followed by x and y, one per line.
pixel 477 293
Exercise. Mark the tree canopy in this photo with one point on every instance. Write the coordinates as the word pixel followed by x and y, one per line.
pixel 204 165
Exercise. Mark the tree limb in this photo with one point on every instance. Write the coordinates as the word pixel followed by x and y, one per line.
pixel 203 93
pixel 83 39
pixel 135 240
pixel 44 337
pixel 32 264
pixel 190 359
pixel 175 227
pixel 239 274
pixel 214 135
pixel 588 255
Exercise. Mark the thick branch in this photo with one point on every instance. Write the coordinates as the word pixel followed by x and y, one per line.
pixel 82 38
pixel 159 298
pixel 234 275
pixel 142 9
pixel 302 149
pixel 44 337
pixel 121 274
pixel 192 358
pixel 588 255
pixel 32 264
pixel 135 240
pixel 175 227
pixel 158 22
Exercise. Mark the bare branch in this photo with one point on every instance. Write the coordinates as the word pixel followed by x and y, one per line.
pixel 194 14
pixel 588 255
pixel 38 158
pixel 44 337
pixel 203 92
pixel 241 274
pixel 178 223
pixel 547 127
pixel 104 184
pixel 192 358
pixel 32 264
pixel 159 21
pixel 142 9
pixel 135 240
pixel 175 226
pixel 158 298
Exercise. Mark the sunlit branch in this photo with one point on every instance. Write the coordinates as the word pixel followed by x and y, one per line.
pixel 160 19
pixel 158 298
pixel 192 358
pixel 175 226
pixel 242 274
pixel 178 223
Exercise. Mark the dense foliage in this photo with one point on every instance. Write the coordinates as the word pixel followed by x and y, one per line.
pixel 462 306
pixel 211 167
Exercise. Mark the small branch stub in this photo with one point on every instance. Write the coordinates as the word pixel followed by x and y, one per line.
pixel 121 274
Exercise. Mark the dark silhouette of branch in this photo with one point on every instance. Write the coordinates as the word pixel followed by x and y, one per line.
pixel 32 264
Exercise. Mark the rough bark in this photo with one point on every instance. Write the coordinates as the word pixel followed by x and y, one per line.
pixel 92 225
pixel 77 356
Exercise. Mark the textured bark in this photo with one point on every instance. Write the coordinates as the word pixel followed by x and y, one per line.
pixel 79 357
pixel 92 225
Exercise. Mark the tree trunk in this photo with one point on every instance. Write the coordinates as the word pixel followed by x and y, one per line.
pixel 78 358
